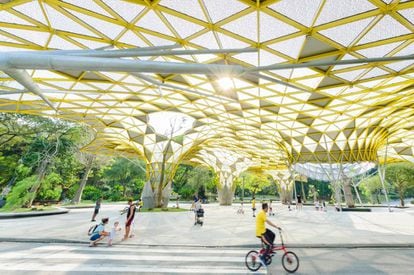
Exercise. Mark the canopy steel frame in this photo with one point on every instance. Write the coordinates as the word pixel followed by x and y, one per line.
pixel 381 173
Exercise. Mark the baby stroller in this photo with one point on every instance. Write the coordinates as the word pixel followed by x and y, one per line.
pixel 199 217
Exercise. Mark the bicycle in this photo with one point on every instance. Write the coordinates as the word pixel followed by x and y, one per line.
pixel 290 260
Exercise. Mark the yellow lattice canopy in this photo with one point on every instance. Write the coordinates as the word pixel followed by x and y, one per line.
pixel 272 116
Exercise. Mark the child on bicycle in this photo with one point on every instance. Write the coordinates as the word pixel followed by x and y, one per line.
pixel 266 235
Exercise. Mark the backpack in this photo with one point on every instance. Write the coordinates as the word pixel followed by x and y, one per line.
pixel 92 229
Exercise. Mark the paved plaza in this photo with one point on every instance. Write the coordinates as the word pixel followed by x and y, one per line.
pixel 224 227
pixel 20 258
pixel 377 242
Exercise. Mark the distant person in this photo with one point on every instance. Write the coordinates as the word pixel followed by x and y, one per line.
pixel 197 207
pixel 113 232
pixel 337 207
pixel 96 210
pixel 254 206
pixel 266 235
pixel 129 219
pixel 139 204
pixel 99 233
pixel 271 209
pixel 317 205
pixel 240 210
pixel 324 205
pixel 299 204
pixel 195 199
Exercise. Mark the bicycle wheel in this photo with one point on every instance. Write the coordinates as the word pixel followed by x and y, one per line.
pixel 252 260
pixel 268 259
pixel 290 262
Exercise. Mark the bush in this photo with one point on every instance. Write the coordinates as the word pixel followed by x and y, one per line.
pixel 50 188
pixel 115 194
pixel 91 193
pixel 20 194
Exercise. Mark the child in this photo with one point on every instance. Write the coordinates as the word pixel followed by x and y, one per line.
pixel 240 210
pixel 112 234
pixel 271 209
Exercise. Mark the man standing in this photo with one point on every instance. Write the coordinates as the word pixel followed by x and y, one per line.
pixel 129 218
pixel 96 211
pixel 266 235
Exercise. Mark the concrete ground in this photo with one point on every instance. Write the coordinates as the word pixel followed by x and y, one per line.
pixel 79 259
pixel 224 227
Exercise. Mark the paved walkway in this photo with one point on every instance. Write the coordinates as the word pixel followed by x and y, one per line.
pixel 224 227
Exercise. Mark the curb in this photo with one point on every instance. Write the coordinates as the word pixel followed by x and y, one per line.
pixel 32 214
pixel 78 207
pixel 247 246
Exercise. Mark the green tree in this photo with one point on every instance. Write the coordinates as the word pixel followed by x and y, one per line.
pixel 200 179
pixel 255 183
pixel 51 188
pixel 181 177
pixel 371 188
pixel 20 194
pixel 125 172
pixel 401 177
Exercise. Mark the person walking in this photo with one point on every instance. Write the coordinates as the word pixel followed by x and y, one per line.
pixel 254 206
pixel 299 204
pixel 96 210
pixel 129 219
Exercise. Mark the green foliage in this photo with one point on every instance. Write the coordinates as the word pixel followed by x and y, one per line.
pixel 115 193
pixel 20 194
pixel 255 183
pixel 190 180
pixel 50 188
pixel 126 172
pixel 401 177
pixel 181 176
pixel 324 189
pixel 91 193
pixel 371 188
pixel 7 165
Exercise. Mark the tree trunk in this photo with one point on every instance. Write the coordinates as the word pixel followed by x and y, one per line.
pixel 166 192
pixel 225 195
pixel 124 189
pixel 348 193
pixel 303 192
pixel 286 194
pixel 41 172
pixel 6 190
pixel 377 196
pixel 158 196
pixel 88 168
pixel 402 199
pixel 64 193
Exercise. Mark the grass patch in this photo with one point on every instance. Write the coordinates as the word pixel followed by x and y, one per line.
pixel 33 209
pixel 169 209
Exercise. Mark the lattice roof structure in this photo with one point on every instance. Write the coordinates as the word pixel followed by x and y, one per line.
pixel 306 106
pixel 331 172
